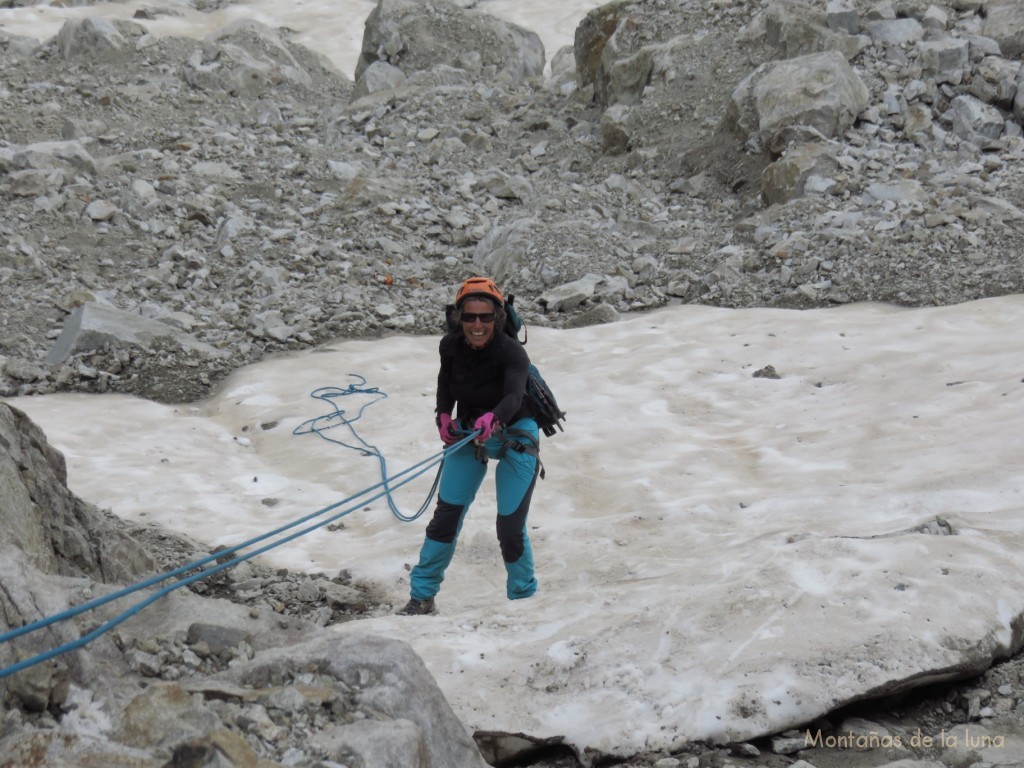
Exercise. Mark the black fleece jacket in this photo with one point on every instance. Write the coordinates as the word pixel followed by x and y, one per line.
pixel 482 380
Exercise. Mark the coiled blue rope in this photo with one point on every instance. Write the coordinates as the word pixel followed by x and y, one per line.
pixel 389 484
pixel 338 418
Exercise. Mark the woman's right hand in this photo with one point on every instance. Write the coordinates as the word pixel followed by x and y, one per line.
pixel 448 429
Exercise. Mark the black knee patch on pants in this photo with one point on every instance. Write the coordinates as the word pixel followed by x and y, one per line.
pixel 444 525
pixel 510 529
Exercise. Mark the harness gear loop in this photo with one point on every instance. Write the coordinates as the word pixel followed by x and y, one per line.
pixel 480 452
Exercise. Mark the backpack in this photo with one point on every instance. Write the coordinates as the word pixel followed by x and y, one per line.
pixel 542 400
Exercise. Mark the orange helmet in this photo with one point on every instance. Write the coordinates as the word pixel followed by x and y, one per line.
pixel 478 286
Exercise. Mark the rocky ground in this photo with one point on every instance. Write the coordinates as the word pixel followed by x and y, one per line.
pixel 236 191
pixel 933 723
pixel 892 728
pixel 246 193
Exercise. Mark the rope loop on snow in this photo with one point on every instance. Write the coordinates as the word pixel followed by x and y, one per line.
pixel 338 417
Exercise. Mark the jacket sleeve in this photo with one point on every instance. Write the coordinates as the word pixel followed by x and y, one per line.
pixel 445 400
pixel 517 368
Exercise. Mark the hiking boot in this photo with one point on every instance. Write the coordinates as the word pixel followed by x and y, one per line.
pixel 418 607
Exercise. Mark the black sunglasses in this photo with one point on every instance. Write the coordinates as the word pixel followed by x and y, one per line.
pixel 483 317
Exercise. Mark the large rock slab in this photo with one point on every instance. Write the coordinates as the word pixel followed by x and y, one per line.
pixel 787 178
pixel 975 120
pixel 615 47
pixel 70 156
pixel 385 677
pixel 92 326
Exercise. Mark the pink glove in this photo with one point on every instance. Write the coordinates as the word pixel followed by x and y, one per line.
pixel 448 429
pixel 486 424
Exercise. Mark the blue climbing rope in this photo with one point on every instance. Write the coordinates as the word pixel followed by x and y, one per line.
pixel 316 425
pixel 125 615
pixel 97 602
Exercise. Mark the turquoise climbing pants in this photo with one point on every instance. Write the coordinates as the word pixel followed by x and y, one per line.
pixel 461 477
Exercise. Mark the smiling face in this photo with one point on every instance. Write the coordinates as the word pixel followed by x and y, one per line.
pixel 478 333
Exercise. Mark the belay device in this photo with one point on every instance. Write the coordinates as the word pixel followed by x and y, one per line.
pixel 545 408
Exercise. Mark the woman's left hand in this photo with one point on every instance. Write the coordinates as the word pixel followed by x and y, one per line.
pixel 486 424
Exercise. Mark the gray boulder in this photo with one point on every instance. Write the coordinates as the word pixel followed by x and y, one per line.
pixel 570 295
pixel 17 45
pixel 506 248
pixel 944 59
pixel 895 31
pixel 614 62
pixel 91 36
pixel 43 167
pixel 1004 22
pixel 53 544
pixel 841 15
pixel 70 156
pixel 997 81
pixel 248 59
pixel 788 177
pixel 975 120
pixel 615 130
pixel 819 90
pixel 381 676
pixel 379 76
pixel 416 37
pixel 796 29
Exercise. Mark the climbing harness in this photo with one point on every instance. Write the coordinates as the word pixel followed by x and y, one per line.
pixel 531 447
